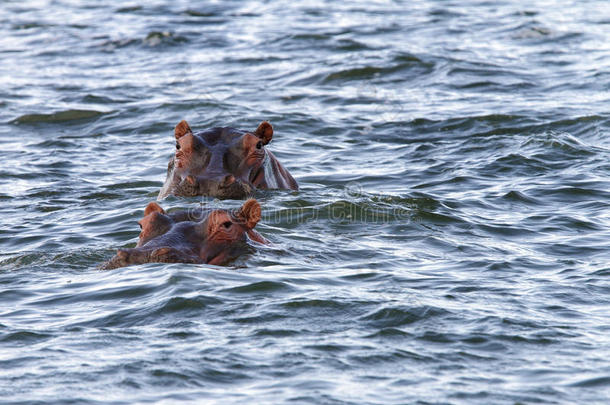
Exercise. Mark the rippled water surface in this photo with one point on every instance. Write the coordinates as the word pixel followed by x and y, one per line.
pixel 449 243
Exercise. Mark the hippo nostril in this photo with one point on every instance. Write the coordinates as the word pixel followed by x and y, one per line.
pixel 228 180
pixel 191 179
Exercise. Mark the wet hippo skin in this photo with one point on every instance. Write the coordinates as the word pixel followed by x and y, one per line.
pixel 224 163
pixel 210 236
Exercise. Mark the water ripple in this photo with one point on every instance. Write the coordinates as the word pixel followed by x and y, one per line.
pixel 448 243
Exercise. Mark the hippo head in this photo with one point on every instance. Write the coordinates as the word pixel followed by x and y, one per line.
pixel 212 236
pixel 224 163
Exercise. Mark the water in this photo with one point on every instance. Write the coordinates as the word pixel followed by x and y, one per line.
pixel 449 243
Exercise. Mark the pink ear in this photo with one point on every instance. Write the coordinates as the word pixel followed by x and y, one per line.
pixel 265 132
pixel 153 207
pixel 250 213
pixel 182 129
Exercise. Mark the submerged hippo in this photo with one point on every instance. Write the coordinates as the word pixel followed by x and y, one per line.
pixel 211 236
pixel 224 162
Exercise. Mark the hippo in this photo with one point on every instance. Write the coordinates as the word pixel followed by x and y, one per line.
pixel 224 162
pixel 204 235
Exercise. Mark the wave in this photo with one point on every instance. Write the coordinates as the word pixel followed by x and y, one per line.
pixel 60 117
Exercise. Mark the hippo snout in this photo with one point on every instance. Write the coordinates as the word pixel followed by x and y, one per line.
pixel 225 186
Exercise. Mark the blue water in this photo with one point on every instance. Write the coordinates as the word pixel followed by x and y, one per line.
pixel 449 243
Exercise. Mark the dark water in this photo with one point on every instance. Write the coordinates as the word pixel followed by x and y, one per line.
pixel 449 244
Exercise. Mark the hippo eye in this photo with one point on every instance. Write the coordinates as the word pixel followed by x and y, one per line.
pixel 227 224
pixel 177 146
pixel 259 145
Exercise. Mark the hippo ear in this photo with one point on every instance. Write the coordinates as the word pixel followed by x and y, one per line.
pixel 182 129
pixel 250 213
pixel 265 132
pixel 153 207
